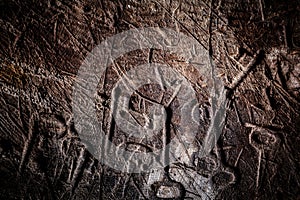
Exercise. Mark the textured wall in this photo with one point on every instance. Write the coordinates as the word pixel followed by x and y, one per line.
pixel 255 47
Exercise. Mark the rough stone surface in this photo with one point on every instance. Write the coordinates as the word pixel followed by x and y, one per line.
pixel 42 46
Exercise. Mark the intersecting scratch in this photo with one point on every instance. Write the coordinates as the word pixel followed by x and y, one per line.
pixel 185 28
pixel 287 98
pixel 244 73
pixel 262 147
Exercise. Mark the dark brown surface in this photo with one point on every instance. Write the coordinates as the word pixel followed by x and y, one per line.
pixel 43 45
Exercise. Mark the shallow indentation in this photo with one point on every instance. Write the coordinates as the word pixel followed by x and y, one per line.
pixel 262 139
pixel 222 179
pixel 205 165
pixel 136 147
pixel 166 192
pixel 168 189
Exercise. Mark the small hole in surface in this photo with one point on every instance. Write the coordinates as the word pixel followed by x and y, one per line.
pixel 87 8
